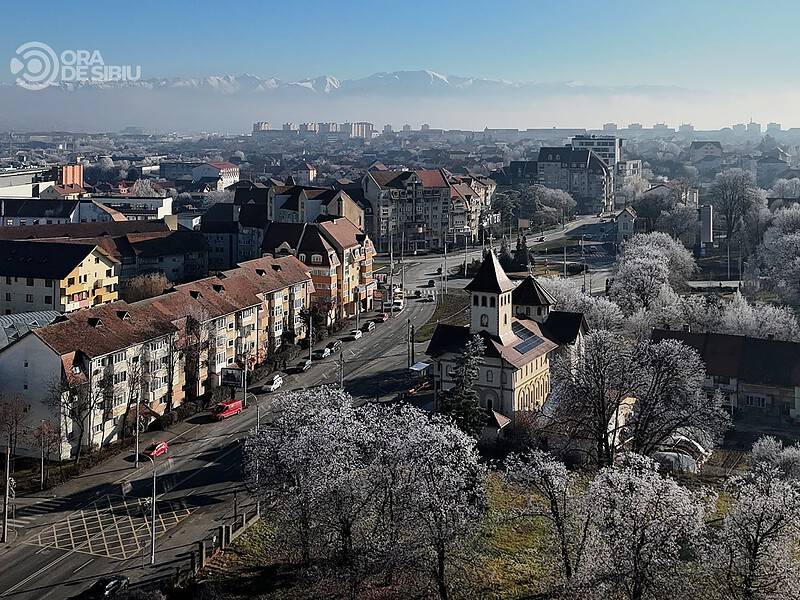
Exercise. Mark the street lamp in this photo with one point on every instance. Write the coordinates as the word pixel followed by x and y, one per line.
pixel 153 515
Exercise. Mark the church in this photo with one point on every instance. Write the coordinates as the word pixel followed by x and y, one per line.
pixel 522 332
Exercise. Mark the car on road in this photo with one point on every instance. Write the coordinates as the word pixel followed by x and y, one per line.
pixel 368 326
pixel 226 409
pixel 354 334
pixel 321 353
pixel 156 449
pixel 334 346
pixel 431 283
pixel 382 318
pixel 303 366
pixel 106 587
pixel 273 383
pixel 541 239
pixel 396 308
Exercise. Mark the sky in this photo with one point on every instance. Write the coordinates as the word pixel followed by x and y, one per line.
pixel 699 44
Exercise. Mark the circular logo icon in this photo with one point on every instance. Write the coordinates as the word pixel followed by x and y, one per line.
pixel 35 65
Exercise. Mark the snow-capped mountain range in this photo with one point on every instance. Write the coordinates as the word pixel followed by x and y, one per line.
pixel 410 83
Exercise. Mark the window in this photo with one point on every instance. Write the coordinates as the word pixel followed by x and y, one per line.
pixel 29 281
pixel 489 376
pixel 491 302
pixel 28 297
pixel 8 297
pixel 120 377
pixel 48 299
pixel 71 281
pixel 118 357
pixel 97 428
pixel 108 272
pixel 483 300
pixel 484 320
pixel 754 400
pixel 316 259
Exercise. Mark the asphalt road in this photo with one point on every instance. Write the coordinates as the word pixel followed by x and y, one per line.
pixel 99 524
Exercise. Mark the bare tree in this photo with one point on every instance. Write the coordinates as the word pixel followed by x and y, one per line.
pixel 12 421
pixel 733 193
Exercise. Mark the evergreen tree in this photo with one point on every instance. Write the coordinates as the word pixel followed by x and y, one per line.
pixel 522 257
pixel 462 402
pixel 505 258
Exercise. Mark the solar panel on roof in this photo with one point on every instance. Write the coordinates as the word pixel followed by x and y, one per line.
pixel 529 339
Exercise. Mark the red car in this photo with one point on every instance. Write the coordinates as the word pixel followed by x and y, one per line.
pixel 382 318
pixel 157 449
pixel 227 409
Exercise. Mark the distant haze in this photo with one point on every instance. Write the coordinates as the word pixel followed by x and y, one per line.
pixel 233 103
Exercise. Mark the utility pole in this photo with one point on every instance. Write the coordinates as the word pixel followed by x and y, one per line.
pixel 408 342
pixel 41 474
pixel 465 257
pixel 5 495
pixel 244 383
pixel 136 454
pixel 310 333
pixel 444 270
pixel 402 261
pixel 565 260
pixel 358 313
pixel 583 264
pixel 391 273
pixel 413 336
pixel 341 369
pixel 153 515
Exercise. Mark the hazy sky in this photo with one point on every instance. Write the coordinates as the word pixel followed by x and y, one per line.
pixel 702 44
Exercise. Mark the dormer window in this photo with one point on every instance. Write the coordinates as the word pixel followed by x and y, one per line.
pixel 195 294
pixel 95 322
pixel 218 287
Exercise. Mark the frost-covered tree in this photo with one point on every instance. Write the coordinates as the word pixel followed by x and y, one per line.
pixel 670 399
pixel 740 317
pixel 638 282
pixel 679 260
pixel 462 401
pixel 785 188
pixel 354 499
pixel 547 490
pixel 600 313
pixel 779 254
pixel 754 555
pixel 593 396
pixel 644 525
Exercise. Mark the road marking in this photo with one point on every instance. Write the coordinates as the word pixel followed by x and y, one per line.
pixel 83 565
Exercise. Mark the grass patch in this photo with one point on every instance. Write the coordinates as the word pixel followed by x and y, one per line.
pixel 453 308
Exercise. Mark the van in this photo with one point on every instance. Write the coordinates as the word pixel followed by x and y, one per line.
pixel 226 409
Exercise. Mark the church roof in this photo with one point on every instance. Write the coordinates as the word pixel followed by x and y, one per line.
pixel 490 278
pixel 531 293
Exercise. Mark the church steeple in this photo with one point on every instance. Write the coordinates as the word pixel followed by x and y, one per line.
pixel 531 300
pixel 490 299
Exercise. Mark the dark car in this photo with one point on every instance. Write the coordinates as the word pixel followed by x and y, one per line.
pixel 107 587
pixel 431 283
pixel 334 345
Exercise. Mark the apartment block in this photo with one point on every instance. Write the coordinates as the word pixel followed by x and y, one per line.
pixel 43 275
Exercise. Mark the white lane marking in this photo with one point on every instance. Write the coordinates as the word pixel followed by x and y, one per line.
pixel 83 565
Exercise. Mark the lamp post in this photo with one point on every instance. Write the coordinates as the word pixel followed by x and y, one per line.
pixel 153 515
pixel 136 428
pixel 41 474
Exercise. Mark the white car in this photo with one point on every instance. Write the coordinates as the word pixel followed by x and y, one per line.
pixel 355 334
pixel 273 384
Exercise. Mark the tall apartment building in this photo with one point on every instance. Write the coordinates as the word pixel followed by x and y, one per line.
pixel 582 173
pixel 261 126
pixel 410 208
pixel 607 147
pixel 58 276
pixel 339 256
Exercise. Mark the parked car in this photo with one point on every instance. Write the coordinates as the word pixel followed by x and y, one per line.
pixel 396 308
pixel 107 587
pixel 431 283
pixel 273 384
pixel 321 353
pixel 541 238
pixel 303 366
pixel 382 318
pixel 334 346
pixel 226 409
pixel 157 449
pixel 368 326
pixel 417 293
pixel 354 334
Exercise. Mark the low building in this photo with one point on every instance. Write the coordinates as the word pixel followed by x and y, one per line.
pixel 226 173
pixel 626 223
pixel 137 208
pixel 15 212
pixel 700 150
pixel 51 275
pixel 758 378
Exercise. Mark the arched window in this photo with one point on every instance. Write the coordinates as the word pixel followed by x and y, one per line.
pixel 475 300
pixel 491 301
pixel 489 376
pixel 483 300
